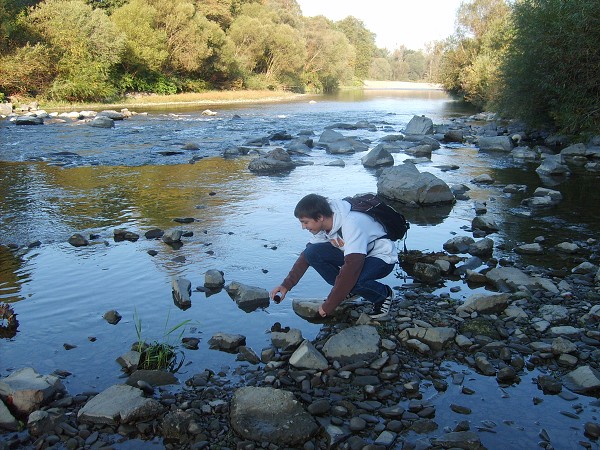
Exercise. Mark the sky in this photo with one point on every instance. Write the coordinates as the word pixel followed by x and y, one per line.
pixel 411 23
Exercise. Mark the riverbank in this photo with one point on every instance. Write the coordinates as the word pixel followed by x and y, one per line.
pixel 214 98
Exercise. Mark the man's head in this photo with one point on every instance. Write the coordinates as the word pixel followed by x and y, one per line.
pixel 313 206
pixel 314 213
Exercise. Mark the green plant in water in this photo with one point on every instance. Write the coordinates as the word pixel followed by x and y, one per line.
pixel 160 355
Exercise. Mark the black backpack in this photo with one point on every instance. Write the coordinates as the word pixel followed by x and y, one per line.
pixel 393 222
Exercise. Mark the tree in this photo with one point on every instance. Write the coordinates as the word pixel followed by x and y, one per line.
pixel 550 73
pixel 329 55
pixel 472 56
pixel 363 41
pixel 381 69
pixel 86 45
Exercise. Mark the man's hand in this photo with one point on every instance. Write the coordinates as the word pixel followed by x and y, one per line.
pixel 321 312
pixel 278 290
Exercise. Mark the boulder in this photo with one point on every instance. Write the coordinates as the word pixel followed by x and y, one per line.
pixel 307 356
pixel 111 114
pixel 26 390
pixel 264 414
pixel 495 143
pixel 214 279
pixel 378 157
pixel 458 244
pixel 276 161
pixel 553 165
pixel 583 380
pixel 434 337
pixel 7 420
pixel 419 125
pixel 404 183
pixel 29 120
pixel 6 109
pixel 484 304
pixel 119 404
pixel 352 344
pixel 181 291
pixel 248 298
pixel 101 122
pixel 226 342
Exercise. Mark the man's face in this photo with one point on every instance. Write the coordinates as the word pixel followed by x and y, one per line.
pixel 312 225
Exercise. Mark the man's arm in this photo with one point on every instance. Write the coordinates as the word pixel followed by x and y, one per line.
pixel 345 281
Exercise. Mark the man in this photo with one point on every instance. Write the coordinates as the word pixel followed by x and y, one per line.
pixel 348 249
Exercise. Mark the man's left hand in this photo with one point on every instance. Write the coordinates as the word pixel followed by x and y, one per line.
pixel 321 312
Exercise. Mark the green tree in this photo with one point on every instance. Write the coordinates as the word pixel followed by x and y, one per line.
pixel 266 46
pixel 329 55
pixel 381 69
pixel 28 71
pixel 86 45
pixel 470 64
pixel 550 74
pixel 363 41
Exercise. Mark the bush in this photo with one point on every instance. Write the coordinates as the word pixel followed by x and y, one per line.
pixel 550 75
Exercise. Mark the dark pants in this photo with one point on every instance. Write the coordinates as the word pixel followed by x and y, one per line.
pixel 327 260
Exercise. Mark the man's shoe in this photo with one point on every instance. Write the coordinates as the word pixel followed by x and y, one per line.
pixel 382 310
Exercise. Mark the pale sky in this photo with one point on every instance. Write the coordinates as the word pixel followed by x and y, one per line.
pixel 412 23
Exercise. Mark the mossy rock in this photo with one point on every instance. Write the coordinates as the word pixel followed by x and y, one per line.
pixel 480 326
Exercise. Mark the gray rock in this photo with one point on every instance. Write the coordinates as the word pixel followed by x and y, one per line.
pixel 484 304
pixel 276 161
pixel 553 165
pixel 467 440
pixel 214 279
pixel 101 122
pixel 458 244
pixel 354 343
pixel 227 342
pixel 129 360
pixel 484 223
pixel 41 422
pixel 77 240
pixel 29 120
pixel 529 249
pixel 182 291
pixel 435 337
pixel 265 414
pixel 574 150
pixel 112 114
pixel 404 183
pixel 567 247
pixel 583 380
pixel 172 236
pixel 482 248
pixel 308 357
pixel 378 157
pixel 554 314
pixel 286 339
pixel 524 153
pixel 246 353
pixel 26 390
pixel 419 125
pixel 483 179
pixel 427 273
pixel 175 424
pixel 152 377
pixel 7 420
pixel 113 317
pixel 495 143
pixel 248 298
pixel 119 404
pixel 420 151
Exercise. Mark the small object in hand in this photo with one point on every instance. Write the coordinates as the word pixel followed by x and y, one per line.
pixel 277 298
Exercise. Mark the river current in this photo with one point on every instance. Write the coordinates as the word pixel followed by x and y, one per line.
pixel 64 178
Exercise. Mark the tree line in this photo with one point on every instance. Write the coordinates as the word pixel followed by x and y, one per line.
pixel 94 50
pixel 534 60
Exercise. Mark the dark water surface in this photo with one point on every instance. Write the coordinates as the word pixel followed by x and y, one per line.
pixel 244 226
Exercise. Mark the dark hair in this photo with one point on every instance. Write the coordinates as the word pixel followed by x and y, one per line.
pixel 313 206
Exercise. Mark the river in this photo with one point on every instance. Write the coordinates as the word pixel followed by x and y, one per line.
pixel 65 178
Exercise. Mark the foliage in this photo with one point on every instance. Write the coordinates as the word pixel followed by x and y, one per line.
pixel 29 71
pixel 472 56
pixel 329 55
pixel 85 45
pixel 159 354
pixel 550 74
pixel 363 41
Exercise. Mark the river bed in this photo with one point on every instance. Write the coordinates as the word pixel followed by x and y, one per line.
pixel 66 178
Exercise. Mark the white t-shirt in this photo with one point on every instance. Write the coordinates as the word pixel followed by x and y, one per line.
pixel 360 233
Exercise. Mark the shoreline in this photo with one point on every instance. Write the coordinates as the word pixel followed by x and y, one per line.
pixel 212 98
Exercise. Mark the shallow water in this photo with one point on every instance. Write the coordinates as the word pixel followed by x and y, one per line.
pixel 243 225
